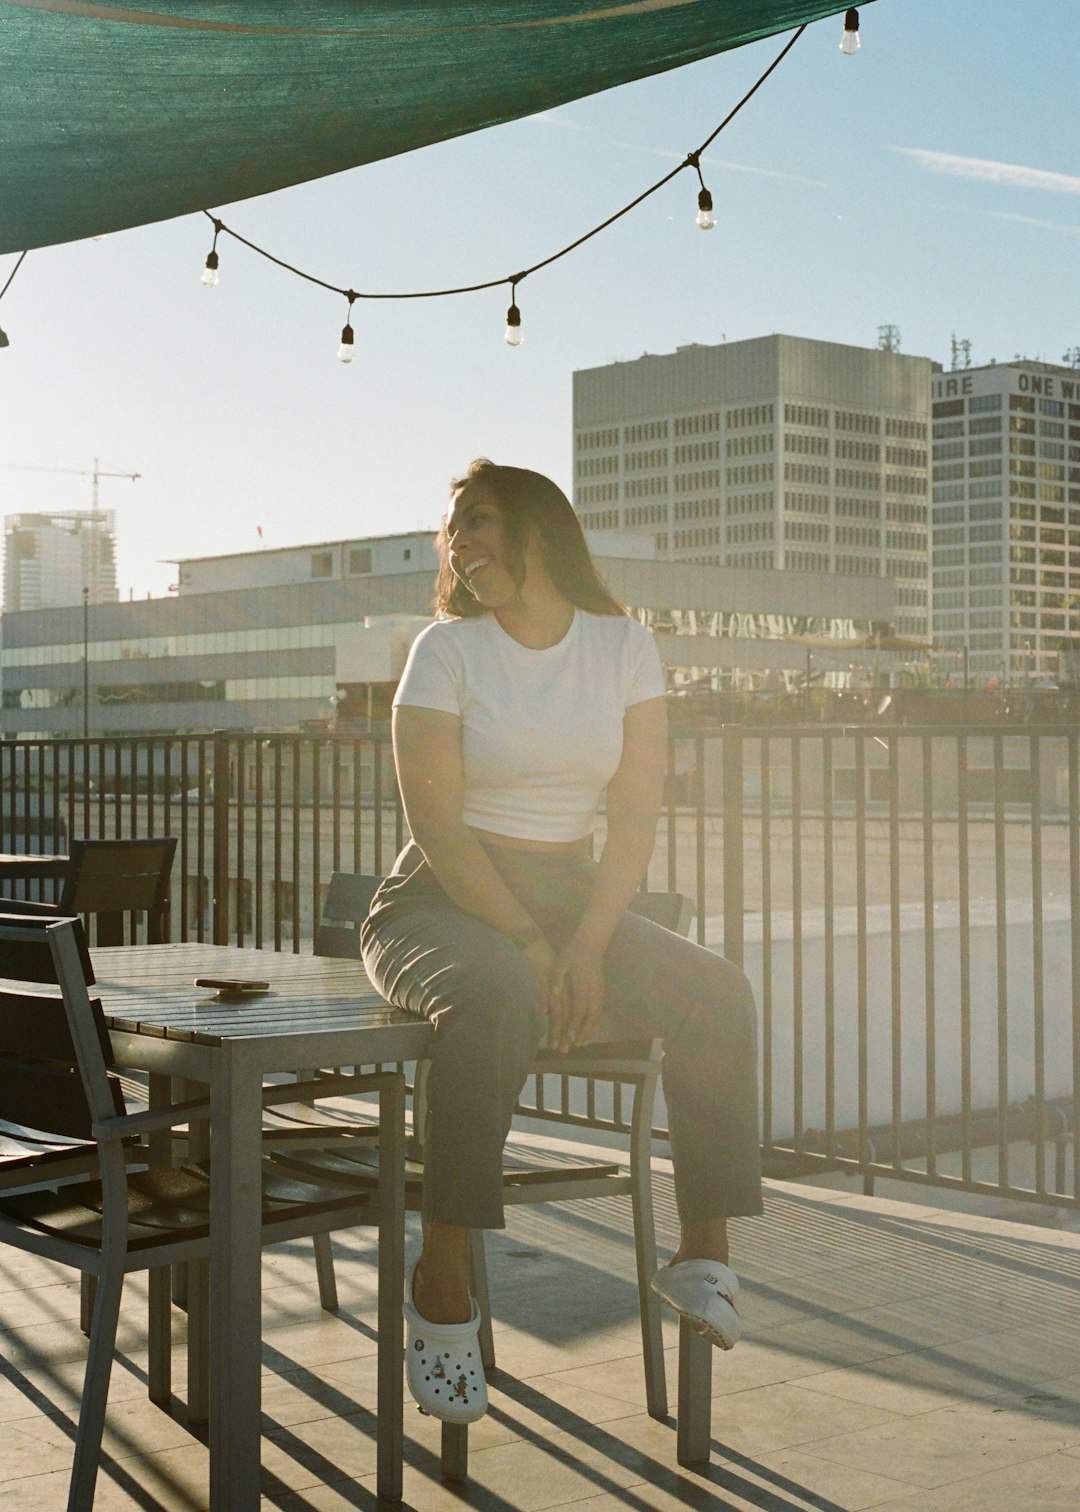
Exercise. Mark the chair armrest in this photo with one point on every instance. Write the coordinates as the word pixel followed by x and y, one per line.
pixel 126 1125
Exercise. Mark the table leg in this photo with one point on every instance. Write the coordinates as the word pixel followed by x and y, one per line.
pixel 235 1281
pixel 390 1403
pixel 195 1284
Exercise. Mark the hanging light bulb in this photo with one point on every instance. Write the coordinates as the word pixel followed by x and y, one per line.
pixel 209 279
pixel 512 335
pixel 849 37
pixel 347 350
pixel 705 217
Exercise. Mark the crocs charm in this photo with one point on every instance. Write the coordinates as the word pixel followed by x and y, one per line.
pixel 418 1346
pixel 460 1387
pixel 438 1370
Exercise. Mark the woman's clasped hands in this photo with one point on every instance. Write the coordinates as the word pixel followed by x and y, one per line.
pixel 573 990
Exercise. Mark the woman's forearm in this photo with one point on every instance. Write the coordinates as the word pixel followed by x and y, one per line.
pixel 624 859
pixel 466 874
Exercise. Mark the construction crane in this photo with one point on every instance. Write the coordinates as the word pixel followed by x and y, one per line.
pixel 97 472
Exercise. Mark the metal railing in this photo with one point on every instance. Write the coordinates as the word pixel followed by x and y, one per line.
pixel 905 900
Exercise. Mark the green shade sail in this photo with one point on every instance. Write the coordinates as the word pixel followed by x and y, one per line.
pixel 115 115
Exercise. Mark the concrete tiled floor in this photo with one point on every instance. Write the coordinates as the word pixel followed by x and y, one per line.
pixel 896 1356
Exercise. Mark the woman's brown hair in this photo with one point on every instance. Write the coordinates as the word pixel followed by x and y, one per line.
pixel 527 501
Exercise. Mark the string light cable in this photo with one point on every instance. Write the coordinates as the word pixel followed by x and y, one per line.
pixel 3 334
pixel 705 218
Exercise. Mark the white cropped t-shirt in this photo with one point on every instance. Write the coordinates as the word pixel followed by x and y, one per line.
pixel 541 731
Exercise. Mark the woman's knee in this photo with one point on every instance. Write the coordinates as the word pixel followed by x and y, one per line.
pixel 497 1003
pixel 726 1004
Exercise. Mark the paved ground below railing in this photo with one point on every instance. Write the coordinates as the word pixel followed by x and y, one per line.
pixel 896 1356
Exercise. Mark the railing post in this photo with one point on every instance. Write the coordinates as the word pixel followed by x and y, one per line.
pixel 220 900
pixel 733 844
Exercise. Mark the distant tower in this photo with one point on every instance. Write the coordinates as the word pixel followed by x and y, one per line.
pixel 1072 357
pixel 961 352
pixel 50 558
pixel 888 338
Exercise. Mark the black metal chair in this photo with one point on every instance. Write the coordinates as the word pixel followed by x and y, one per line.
pixel 111 879
pixel 57 1080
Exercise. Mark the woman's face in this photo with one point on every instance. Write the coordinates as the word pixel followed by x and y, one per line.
pixel 477 547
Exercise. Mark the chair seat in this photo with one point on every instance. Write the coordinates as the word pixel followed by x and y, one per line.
pixel 347 1162
pixel 167 1204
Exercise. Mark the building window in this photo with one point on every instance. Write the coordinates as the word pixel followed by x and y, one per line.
pixel 359 560
pixel 322 564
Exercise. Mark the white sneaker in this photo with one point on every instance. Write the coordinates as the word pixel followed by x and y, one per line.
pixel 704 1292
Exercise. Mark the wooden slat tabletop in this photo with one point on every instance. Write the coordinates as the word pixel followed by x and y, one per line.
pixel 150 989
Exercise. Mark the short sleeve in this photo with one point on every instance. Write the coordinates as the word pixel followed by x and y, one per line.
pixel 432 677
pixel 646 669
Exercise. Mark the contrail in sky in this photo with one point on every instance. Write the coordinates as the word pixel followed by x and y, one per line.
pixel 987 171
pixel 549 118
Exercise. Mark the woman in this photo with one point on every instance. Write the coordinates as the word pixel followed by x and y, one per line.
pixel 533 697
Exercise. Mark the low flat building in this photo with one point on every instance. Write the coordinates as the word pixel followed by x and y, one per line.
pixel 291 638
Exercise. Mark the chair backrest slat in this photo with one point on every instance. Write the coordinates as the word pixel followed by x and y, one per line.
pixel 26 961
pixel 348 899
pixel 109 878
pixel 54 1048
pixel 49 1099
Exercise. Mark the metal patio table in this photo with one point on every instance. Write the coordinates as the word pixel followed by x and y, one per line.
pixel 318 1012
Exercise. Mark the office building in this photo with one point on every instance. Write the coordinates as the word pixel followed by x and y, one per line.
pixel 1006 518
pixel 50 558
pixel 778 453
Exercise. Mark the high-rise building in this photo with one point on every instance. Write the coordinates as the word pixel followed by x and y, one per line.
pixel 1006 517
pixel 779 452
pixel 50 558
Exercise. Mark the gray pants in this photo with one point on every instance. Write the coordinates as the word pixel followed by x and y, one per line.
pixel 431 958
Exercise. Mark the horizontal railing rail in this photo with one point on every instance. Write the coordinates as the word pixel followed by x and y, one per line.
pixel 904 899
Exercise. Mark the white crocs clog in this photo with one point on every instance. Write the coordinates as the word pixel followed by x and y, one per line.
pixel 704 1292
pixel 443 1365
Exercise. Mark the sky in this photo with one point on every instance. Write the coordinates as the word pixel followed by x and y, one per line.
pixel 932 182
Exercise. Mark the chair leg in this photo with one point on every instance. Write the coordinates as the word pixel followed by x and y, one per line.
pixel 454 1456
pixel 652 1337
pixel 159 1339
pixel 478 1285
pixel 391 1268
pixel 694 1428
pixel 324 1272
pixel 95 1391
pixel 87 1289
pixel 198 1315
